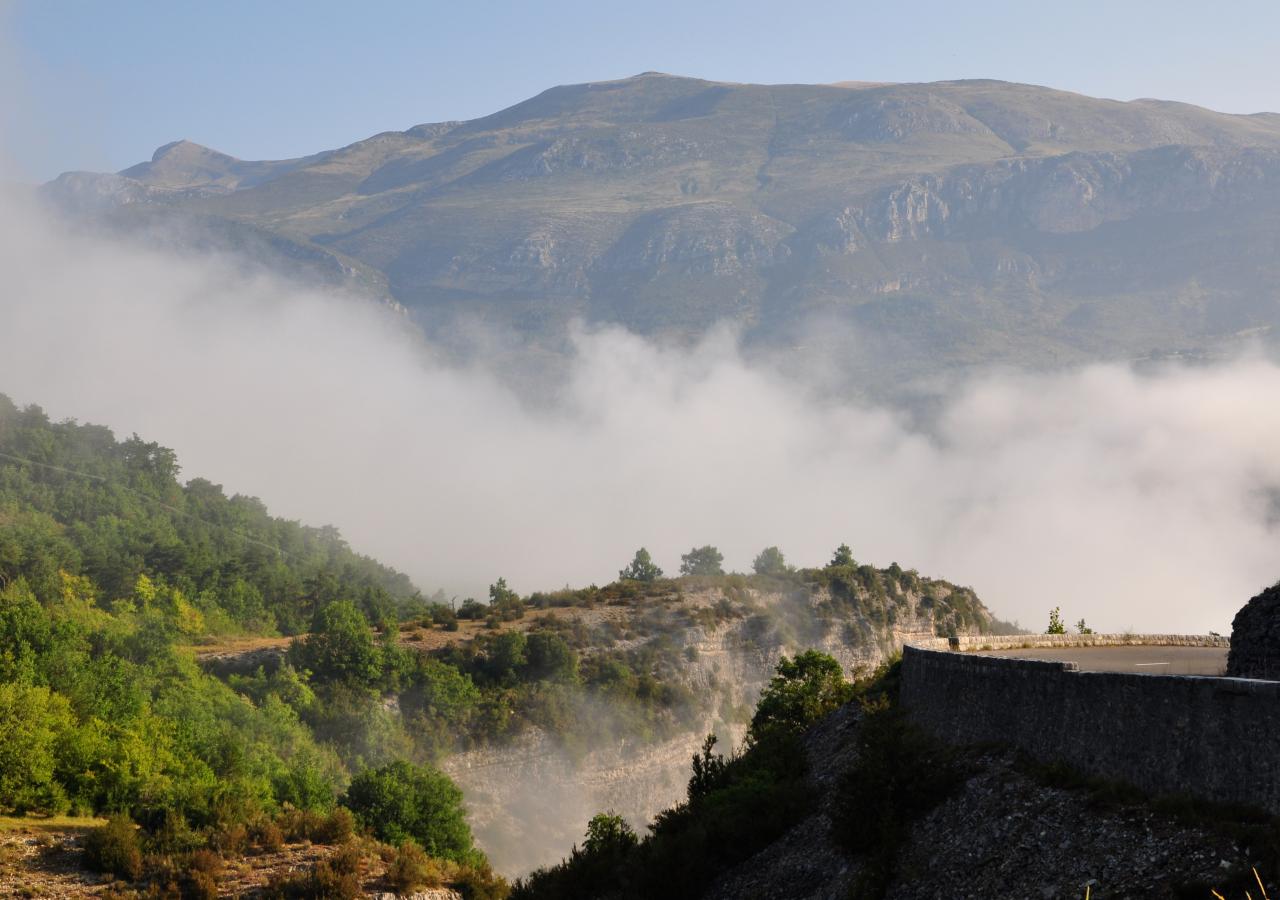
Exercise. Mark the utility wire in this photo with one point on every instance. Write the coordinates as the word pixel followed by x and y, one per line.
pixel 145 496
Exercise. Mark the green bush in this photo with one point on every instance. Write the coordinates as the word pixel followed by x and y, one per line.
pixel 309 825
pixel 340 647
pixel 336 877
pixel 802 691
pixel 609 834
pixel 200 880
pixel 266 835
pixel 479 882
pixel 335 828
pixel 114 849
pixel 401 801
pixel 549 657
pixel 412 870
pixel 173 835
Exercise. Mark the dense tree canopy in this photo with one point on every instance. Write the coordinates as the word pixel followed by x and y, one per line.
pixel 74 499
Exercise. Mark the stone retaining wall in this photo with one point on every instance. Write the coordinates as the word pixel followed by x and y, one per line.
pixel 1049 641
pixel 1213 738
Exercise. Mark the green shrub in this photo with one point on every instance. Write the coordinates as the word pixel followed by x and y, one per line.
pixel 200 881
pixel 479 882
pixel 401 801
pixel 335 878
pixel 411 870
pixel 266 835
pixel 803 690
pixel 1056 625
pixel 231 840
pixel 340 647
pixel 335 828
pixel 114 849
pixel 303 825
pixel 174 835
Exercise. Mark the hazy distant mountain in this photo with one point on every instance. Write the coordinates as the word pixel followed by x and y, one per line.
pixel 946 223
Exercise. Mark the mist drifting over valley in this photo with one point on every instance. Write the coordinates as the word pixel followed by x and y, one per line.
pixel 1141 500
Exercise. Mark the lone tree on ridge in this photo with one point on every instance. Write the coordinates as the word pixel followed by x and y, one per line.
pixel 641 568
pixel 702 561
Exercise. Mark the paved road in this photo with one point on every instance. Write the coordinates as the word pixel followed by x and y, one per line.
pixel 1142 660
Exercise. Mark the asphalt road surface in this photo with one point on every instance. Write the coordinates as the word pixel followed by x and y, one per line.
pixel 1140 660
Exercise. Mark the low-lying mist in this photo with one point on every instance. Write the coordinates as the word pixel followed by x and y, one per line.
pixel 1143 501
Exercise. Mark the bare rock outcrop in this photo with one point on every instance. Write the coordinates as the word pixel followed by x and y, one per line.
pixel 1255 638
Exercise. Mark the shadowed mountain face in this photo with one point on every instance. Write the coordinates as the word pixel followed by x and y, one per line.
pixel 942 224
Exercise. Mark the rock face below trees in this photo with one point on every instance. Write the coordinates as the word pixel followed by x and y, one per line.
pixel 1255 638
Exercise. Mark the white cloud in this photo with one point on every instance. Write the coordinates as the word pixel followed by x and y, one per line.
pixel 1131 500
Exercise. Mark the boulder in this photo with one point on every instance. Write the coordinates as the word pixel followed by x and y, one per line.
pixel 1255 638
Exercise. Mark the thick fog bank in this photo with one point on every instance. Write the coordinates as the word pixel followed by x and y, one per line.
pixel 1133 500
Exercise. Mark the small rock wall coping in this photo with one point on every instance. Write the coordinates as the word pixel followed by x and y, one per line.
pixel 1050 641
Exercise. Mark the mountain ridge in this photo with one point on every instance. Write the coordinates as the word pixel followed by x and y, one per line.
pixel 950 223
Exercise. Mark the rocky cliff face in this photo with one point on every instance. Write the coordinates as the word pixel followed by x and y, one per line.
pixel 958 220
pixel 529 802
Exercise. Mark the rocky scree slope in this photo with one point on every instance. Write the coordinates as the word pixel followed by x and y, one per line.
pixel 1006 831
pixel 953 222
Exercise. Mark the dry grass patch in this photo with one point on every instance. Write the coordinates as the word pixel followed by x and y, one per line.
pixel 48 823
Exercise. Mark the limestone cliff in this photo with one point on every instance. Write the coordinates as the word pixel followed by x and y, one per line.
pixel 529 801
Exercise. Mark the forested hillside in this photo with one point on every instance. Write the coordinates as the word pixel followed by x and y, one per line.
pixel 76 502
pixel 116 578
pixel 109 570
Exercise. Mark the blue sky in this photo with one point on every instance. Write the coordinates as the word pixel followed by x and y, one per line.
pixel 98 85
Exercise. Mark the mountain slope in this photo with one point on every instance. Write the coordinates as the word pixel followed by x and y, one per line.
pixel 953 222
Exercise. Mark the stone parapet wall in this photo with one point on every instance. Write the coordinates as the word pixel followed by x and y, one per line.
pixel 1213 738
pixel 1049 641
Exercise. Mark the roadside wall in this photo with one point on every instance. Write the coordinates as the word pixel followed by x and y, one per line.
pixel 1047 641
pixel 1213 738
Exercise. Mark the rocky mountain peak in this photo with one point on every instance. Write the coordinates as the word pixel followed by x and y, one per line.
pixel 959 222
